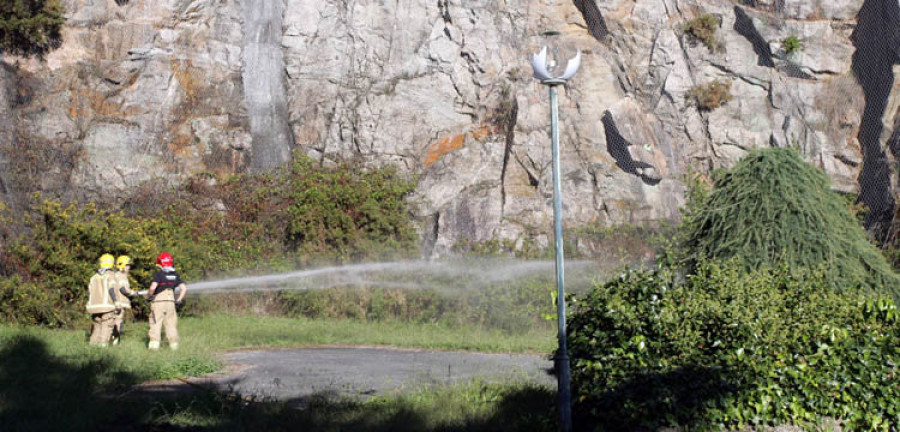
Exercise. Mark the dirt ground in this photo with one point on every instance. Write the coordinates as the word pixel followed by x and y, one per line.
pixel 294 375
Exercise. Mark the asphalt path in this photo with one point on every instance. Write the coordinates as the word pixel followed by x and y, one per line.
pixel 296 374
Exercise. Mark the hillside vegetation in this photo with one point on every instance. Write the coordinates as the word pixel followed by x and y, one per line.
pixel 302 215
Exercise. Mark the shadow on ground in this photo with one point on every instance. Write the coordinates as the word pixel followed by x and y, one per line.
pixel 43 392
pixel 653 401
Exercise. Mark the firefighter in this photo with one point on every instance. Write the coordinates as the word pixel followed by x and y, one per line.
pixel 162 296
pixel 122 286
pixel 102 302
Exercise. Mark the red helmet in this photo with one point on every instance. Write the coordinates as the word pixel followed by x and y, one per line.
pixel 164 260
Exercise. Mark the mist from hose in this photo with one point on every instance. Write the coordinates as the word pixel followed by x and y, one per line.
pixel 455 275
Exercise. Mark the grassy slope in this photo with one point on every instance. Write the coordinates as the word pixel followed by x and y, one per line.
pixel 203 337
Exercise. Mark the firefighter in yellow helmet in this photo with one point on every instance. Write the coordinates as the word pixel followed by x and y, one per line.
pixel 166 291
pixel 119 280
pixel 102 302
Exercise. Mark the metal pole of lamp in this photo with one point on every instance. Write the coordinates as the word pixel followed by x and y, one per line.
pixel 541 71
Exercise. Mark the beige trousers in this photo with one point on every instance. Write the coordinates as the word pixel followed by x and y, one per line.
pixel 162 314
pixel 102 327
pixel 117 324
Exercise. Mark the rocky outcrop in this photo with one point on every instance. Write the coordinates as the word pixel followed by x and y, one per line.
pixel 442 89
pixel 264 88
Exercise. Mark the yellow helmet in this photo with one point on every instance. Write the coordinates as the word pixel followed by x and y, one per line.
pixel 107 261
pixel 123 261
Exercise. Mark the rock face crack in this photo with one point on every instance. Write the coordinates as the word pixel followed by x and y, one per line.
pixel 265 92
pixel 509 124
pixel 430 237
pixel 444 7
pixel 765 85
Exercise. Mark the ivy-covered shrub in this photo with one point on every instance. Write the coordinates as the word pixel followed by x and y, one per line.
pixel 772 207
pixel 726 348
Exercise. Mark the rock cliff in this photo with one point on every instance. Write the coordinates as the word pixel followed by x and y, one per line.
pixel 160 90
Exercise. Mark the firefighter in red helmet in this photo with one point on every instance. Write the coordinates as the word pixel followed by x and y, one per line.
pixel 165 292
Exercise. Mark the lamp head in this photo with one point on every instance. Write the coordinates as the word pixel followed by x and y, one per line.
pixel 546 63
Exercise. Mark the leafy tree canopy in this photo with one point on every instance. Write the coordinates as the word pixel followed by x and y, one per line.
pixel 30 27
pixel 772 208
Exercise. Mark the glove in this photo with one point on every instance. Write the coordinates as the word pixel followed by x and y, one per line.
pixel 118 311
pixel 179 303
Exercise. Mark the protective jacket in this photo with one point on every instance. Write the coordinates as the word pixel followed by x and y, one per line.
pixel 101 299
pixel 119 281
pixel 167 279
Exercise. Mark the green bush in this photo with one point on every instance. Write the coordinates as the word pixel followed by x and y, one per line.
pixel 773 207
pixel 791 44
pixel 302 215
pixel 727 348
pixel 56 260
pixel 27 303
pixel 31 27
pixel 348 212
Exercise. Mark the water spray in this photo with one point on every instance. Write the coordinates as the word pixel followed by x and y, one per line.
pixel 446 275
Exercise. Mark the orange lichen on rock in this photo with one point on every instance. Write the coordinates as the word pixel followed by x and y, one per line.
pixel 444 146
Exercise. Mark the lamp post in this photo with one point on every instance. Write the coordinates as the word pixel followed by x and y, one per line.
pixel 542 71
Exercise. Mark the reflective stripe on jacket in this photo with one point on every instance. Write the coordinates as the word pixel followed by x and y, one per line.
pixel 99 300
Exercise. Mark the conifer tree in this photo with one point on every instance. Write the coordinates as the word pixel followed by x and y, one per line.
pixel 773 208
pixel 30 27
